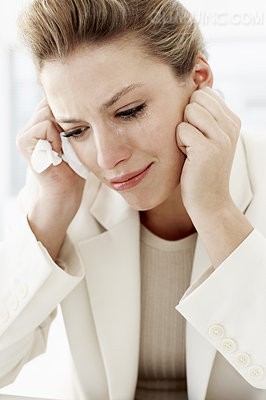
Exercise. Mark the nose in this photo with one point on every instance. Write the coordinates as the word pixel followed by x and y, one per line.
pixel 111 146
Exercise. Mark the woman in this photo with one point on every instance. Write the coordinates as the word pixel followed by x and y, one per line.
pixel 128 84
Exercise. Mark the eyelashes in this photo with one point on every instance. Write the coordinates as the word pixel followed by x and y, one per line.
pixel 132 112
pixel 126 115
pixel 76 132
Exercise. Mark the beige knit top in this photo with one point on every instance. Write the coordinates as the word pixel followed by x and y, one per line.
pixel 165 275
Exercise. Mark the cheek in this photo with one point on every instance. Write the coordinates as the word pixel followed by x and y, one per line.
pixel 160 131
pixel 163 142
pixel 152 131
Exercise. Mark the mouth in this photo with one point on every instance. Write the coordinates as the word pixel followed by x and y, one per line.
pixel 131 180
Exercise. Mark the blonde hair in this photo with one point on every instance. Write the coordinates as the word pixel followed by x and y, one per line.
pixel 53 29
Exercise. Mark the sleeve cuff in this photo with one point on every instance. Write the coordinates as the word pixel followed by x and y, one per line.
pixel 227 307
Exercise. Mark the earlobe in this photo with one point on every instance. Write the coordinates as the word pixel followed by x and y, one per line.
pixel 202 73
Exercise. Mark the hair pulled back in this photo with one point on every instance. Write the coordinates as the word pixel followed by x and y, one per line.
pixel 53 29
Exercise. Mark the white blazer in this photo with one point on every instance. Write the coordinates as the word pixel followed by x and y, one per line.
pixel 98 286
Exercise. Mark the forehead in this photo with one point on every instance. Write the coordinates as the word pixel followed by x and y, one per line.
pixel 99 65
pixel 101 61
pixel 92 74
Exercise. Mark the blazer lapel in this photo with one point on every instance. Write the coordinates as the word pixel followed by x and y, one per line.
pixel 199 353
pixel 112 264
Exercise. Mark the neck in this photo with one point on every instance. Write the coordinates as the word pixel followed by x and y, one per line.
pixel 170 219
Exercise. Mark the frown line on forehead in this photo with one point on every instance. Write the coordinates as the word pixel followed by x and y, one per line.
pixel 117 96
pixel 120 94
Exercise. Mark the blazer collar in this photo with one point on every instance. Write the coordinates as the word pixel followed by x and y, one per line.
pixel 109 208
pixel 240 186
pixel 111 261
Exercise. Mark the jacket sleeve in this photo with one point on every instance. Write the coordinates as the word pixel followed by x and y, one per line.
pixel 31 286
pixel 227 305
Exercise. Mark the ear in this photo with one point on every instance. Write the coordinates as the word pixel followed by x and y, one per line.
pixel 202 73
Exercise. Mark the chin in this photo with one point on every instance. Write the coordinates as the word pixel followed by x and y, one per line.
pixel 144 203
pixel 153 195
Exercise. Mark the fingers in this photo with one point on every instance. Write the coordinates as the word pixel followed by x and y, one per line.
pixel 190 140
pixel 41 113
pixel 199 117
pixel 208 112
pixel 208 136
pixel 40 126
pixel 213 94
pixel 209 126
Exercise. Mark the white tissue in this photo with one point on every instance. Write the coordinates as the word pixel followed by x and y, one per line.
pixel 70 157
pixel 43 156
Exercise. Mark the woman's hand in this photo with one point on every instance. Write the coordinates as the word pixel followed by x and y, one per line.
pixel 60 188
pixel 59 181
pixel 208 138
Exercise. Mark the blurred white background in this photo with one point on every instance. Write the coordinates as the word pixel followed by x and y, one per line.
pixel 235 33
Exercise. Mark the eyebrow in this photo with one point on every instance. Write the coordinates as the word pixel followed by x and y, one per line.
pixel 121 93
pixel 106 105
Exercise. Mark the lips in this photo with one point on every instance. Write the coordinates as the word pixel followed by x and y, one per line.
pixel 129 181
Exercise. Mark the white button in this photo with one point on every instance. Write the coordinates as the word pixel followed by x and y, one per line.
pixel 228 345
pixel 256 372
pixel 216 332
pixel 21 290
pixel 12 302
pixel 4 315
pixel 243 359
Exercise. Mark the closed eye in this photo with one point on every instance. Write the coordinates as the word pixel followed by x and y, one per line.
pixel 76 133
pixel 131 112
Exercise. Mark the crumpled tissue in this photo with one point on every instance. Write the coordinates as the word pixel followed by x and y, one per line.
pixel 43 156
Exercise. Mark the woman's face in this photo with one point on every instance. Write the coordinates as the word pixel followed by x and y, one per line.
pixel 122 107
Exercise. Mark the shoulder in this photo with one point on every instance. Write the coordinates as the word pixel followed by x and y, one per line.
pixel 255 152
pixel 255 145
